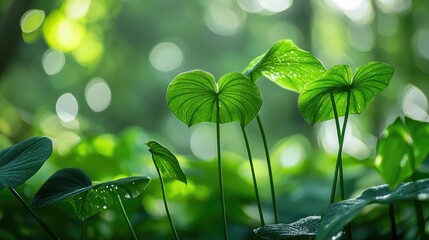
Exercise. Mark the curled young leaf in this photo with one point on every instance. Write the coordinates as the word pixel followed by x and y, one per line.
pixel 193 98
pixel 21 161
pixel 87 199
pixel 166 162
pixel 286 65
pixel 369 80
pixel 399 140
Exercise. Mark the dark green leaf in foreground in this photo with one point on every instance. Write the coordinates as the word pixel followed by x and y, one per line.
pixel 166 162
pixel 286 65
pixel 395 145
pixel 305 228
pixel 21 161
pixel 339 214
pixel 87 199
pixel 369 80
pixel 192 97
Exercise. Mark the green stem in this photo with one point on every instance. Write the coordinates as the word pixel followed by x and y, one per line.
pixel 84 231
pixel 339 163
pixel 418 207
pixel 255 184
pixel 165 202
pixel 41 223
pixel 392 221
pixel 126 218
pixel 222 195
pixel 270 172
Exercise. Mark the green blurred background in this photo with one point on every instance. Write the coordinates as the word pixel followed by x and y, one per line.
pixel 92 75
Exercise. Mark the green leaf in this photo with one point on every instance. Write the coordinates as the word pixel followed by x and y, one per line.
pixel 87 199
pixel 21 161
pixel 61 185
pixel 369 80
pixel 193 96
pixel 339 214
pixel 397 142
pixel 304 228
pixel 286 65
pixel 166 162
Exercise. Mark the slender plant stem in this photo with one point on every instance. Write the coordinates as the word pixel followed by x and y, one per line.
pixel 165 202
pixel 418 207
pixel 219 158
pixel 126 218
pixel 270 172
pixel 339 163
pixel 41 223
pixel 84 230
pixel 392 221
pixel 255 184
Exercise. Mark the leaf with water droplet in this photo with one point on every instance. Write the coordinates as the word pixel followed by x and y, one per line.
pixel 286 65
pixel 400 139
pixel 166 162
pixel 305 228
pixel 339 214
pixel 21 161
pixel 368 81
pixel 194 97
pixel 87 199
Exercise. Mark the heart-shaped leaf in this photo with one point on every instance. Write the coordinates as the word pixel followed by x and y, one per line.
pixel 166 162
pixel 397 142
pixel 286 65
pixel 305 228
pixel 339 214
pixel 369 80
pixel 21 161
pixel 87 199
pixel 193 97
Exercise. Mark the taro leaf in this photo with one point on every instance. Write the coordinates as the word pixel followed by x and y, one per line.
pixel 87 199
pixel 304 228
pixel 339 214
pixel 368 81
pixel 192 97
pixel 286 65
pixel 21 161
pixel 395 145
pixel 166 162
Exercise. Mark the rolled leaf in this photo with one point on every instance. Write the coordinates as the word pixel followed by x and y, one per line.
pixel 21 161
pixel 369 80
pixel 193 97
pixel 286 65
pixel 166 162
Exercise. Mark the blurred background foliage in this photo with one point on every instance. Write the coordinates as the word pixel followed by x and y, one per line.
pixel 92 75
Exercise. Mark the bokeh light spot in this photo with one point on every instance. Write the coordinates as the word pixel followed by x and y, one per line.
pixel 275 6
pixel 223 20
pixel 421 42
pixel 250 6
pixel 359 11
pixel 89 50
pixel 98 94
pixel 32 20
pixel 203 141
pixel 76 9
pixel 360 37
pixel 67 107
pixel 415 104
pixel 292 155
pixel 166 57
pixel 53 61
pixel 394 6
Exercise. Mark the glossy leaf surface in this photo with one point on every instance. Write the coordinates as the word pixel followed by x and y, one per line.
pixel 87 199
pixel 193 97
pixel 305 228
pixel 166 162
pixel 397 142
pixel 21 161
pixel 286 65
pixel 369 80
pixel 339 214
